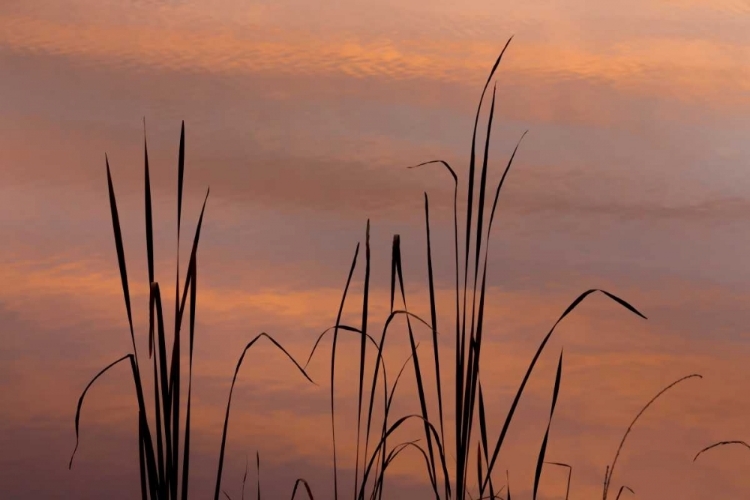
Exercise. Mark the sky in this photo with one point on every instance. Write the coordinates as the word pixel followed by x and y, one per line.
pixel 302 118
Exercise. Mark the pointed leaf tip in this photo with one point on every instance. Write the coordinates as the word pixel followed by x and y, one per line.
pixel 623 303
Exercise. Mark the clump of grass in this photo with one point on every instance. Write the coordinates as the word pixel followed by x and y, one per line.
pixel 467 404
pixel 163 446
pixel 163 476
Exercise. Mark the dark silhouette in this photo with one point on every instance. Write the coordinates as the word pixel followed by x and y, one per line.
pixel 164 476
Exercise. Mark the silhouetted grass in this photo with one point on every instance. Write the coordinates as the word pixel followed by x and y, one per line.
pixel 570 474
pixel 244 480
pixel 163 476
pixel 467 403
pixel 720 443
pixel 611 468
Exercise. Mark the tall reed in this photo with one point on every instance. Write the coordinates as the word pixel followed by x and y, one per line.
pixel 467 404
pixel 163 445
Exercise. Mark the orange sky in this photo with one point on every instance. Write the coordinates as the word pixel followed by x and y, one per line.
pixel 302 120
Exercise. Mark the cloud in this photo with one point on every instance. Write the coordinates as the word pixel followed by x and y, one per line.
pixel 679 68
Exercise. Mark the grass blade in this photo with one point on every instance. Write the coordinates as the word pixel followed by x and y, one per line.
pixel 191 284
pixel 180 176
pixel 381 474
pixel 145 435
pixel 483 436
pixel 461 450
pixel 257 462
pixel 342 327
pixel 229 399
pixel 149 231
pixel 160 405
pixel 307 488
pixel 479 467
pixel 415 356
pixel 483 423
pixel 142 464
pixel 474 361
pixel 474 345
pixel 500 186
pixel 244 480
pixel 151 473
pixel 161 399
pixel 512 410
pixel 333 364
pixel 624 488
pixel 193 272
pixel 120 254
pixel 458 355
pixel 390 431
pixel 363 345
pixel 606 477
pixel 393 454
pixel 482 193
pixel 379 363
pixel 83 395
pixel 721 443
pixel 543 450
pixel 149 216
pixel 472 161
pixel 371 403
pixel 174 388
pixel 570 473
pixel 395 384
pixel 630 427
pixel 433 317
